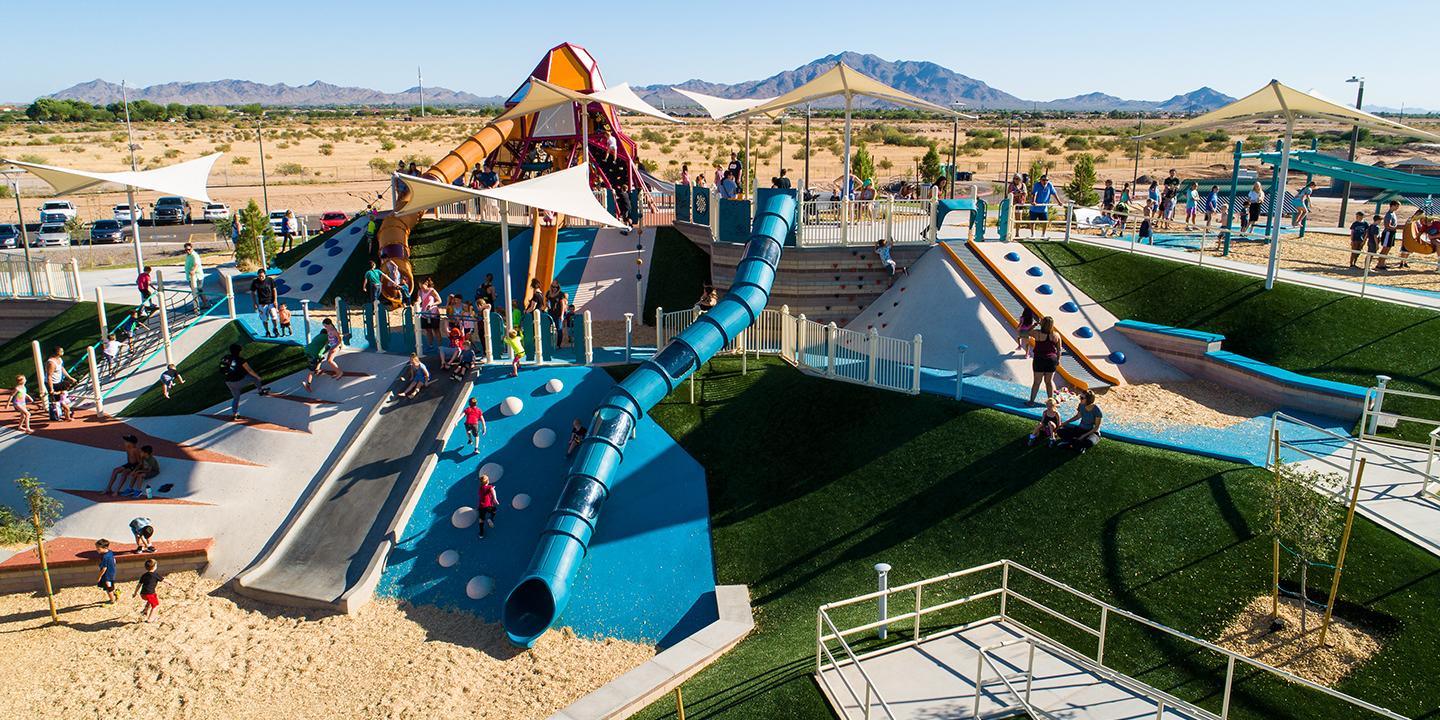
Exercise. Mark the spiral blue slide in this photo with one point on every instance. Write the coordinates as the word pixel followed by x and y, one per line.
pixel 540 597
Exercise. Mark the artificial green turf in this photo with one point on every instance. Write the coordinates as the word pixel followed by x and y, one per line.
pixel 1313 332
pixel 74 329
pixel 811 482
pixel 204 386
pixel 679 271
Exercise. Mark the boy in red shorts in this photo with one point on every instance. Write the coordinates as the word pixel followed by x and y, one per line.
pixel 149 583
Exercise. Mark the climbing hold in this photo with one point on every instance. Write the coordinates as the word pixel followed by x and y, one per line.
pixel 869 327
pixel 479 586
pixel 842 287
pixel 313 269
pixel 353 229
pixel 544 438
pixel 638 246
pixel 880 314
pixel 884 325
pixel 520 502
pixel 448 558
pixel 492 470
pixel 1084 332
pixel 554 386
pixel 511 406
pixel 1069 307
pixel 869 265
pixel 336 251
pixel 464 517
pixel 895 304
pixel 902 289
pixel 1012 257
pixel 1035 272
pixel 332 242
pixel 835 266
pixel 1117 357
pixel 837 278
pixel 306 287
pixel 303 263
pixel 1045 290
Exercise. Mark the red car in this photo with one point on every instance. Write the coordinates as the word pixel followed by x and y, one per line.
pixel 332 220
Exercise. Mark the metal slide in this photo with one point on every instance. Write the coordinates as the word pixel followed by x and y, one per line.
pixel 543 591
pixel 393 235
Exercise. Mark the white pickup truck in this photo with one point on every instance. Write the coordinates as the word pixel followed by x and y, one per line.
pixel 57 211
pixel 123 213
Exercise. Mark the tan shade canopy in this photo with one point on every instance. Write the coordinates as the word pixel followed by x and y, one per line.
pixel 543 96
pixel 566 192
pixel 843 80
pixel 1276 99
pixel 187 179
pixel 719 108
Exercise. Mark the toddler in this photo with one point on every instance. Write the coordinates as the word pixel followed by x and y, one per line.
pixel 1049 424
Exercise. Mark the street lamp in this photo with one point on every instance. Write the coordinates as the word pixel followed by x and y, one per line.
pixel 1354 138
pixel 954 142
pixel 130 189
pixel 13 175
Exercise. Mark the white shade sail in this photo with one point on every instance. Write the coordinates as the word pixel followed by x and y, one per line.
pixel 542 95
pixel 844 80
pixel 566 192
pixel 1276 99
pixel 719 108
pixel 187 179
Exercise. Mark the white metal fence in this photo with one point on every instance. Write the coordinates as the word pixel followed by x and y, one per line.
pixel 838 353
pixel 38 278
pixel 823 222
pixel 831 641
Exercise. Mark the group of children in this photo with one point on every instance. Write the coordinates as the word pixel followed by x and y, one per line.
pixel 1379 235
pixel 140 465
pixel 147 586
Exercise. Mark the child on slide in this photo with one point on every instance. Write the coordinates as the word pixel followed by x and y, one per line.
pixel 1049 424
pixel 419 377
pixel 1028 321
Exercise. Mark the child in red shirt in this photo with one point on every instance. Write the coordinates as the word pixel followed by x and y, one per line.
pixel 487 503
pixel 474 419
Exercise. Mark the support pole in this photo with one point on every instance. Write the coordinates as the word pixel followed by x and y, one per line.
pixel 505 259
pixel 1344 545
pixel 1234 187
pixel 538 323
pixel 960 374
pixel 164 317
pixel 95 381
pixel 845 188
pixel 229 294
pixel 884 571
pixel 305 313
pixel 1275 583
pixel 43 383
pixel 659 327
pixel 45 567
pixel 1277 204
pixel 589 341
pixel 629 327
pixel 100 311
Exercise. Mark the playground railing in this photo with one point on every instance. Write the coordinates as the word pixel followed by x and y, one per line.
pixel 1376 418
pixel 39 278
pixel 1329 449
pixel 823 222
pixel 1019 588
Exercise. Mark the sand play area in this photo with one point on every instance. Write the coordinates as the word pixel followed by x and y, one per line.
pixel 213 654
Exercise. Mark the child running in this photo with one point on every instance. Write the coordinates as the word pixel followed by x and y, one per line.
pixel 169 378
pixel 20 400
pixel 487 504
pixel 474 419
pixel 148 585
pixel 333 341
pixel 106 581
pixel 419 377
pixel 517 351
pixel 1049 424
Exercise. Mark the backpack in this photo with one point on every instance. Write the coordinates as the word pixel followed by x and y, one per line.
pixel 228 365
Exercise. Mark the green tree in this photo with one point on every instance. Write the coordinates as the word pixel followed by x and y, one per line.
pixel 1081 188
pixel 930 169
pixel 1037 168
pixel 862 165
pixel 44 512
pixel 1305 517
pixel 254 229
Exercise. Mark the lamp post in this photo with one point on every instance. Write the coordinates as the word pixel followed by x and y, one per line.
pixel 264 189
pixel 130 189
pixel 954 142
pixel 807 153
pixel 1354 138
pixel 13 175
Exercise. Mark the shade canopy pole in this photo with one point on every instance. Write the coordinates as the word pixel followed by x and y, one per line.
pixel 1277 204
pixel 845 177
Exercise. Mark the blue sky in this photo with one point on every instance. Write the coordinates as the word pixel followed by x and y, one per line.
pixel 1041 51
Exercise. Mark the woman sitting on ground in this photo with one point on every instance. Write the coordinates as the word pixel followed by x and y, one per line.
pixel 1087 433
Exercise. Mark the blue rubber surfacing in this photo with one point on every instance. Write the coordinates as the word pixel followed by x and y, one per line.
pixel 650 573
pixel 572 252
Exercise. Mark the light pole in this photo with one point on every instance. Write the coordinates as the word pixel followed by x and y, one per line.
pixel 807 153
pixel 130 189
pixel 782 142
pixel 954 142
pixel 1354 138
pixel 264 189
pixel 13 175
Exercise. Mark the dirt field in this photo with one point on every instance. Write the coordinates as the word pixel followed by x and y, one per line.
pixel 212 654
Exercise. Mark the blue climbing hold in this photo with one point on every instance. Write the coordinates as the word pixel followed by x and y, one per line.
pixel 1069 307
pixel 1117 357
pixel 1045 290
pixel 1084 332
pixel 336 251
pixel 332 242
pixel 306 287
pixel 1012 257
pixel 313 269
pixel 354 229
pixel 303 263
pixel 1035 272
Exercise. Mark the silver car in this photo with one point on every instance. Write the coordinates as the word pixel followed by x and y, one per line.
pixel 51 234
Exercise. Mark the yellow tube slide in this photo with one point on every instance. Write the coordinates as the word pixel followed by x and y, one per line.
pixel 393 234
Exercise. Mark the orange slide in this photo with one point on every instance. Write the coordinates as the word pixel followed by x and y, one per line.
pixel 393 234
pixel 542 254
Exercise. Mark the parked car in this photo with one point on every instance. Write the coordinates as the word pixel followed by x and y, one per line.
pixel 9 237
pixel 170 211
pixel 51 234
pixel 57 211
pixel 217 211
pixel 276 217
pixel 332 220
pixel 123 213
pixel 107 231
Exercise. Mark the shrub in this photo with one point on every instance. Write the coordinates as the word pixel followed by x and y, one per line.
pixel 172 154
pixel 1034 142
pixel 381 165
pixel 327 149
pixel 861 164
pixel 649 165
pixel 223 147
pixel 239 160
pixel 1081 188
pixel 930 170
pixel 423 161
pixel 885 164
pixel 1076 143
pixel 387 145
pixel 290 169
pixel 1053 150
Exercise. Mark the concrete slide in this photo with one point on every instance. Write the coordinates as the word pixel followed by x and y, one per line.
pixel 331 550
pixel 393 235
pixel 538 600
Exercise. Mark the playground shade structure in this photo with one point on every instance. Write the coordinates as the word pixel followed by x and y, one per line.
pixel 544 589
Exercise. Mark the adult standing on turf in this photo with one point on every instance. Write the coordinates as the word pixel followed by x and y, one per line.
pixel 1087 433
pixel 237 374
pixel 1047 357
pixel 1043 194
pixel 262 294
pixel 195 276
pixel 372 282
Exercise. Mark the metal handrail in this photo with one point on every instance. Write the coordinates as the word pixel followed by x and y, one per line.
pixel 869 684
pixel 986 659
pixel 1356 447
pixel 161 349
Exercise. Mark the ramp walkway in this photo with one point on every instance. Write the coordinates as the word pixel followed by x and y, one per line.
pixel 331 551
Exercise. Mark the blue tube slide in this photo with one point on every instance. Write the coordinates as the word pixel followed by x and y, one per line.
pixel 540 597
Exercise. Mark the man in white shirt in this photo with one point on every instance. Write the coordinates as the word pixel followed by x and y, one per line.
pixel 195 276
